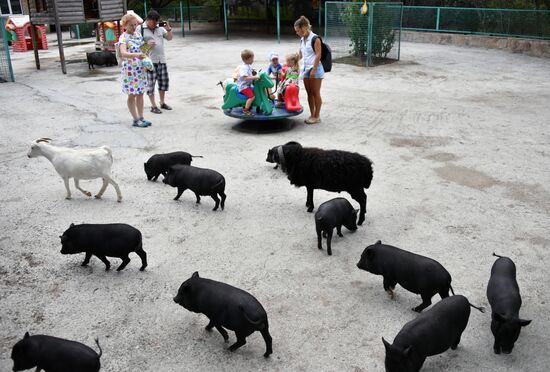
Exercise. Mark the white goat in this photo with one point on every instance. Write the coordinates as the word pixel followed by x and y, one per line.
pixel 85 164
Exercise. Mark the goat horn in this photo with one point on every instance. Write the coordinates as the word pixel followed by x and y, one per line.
pixel 43 139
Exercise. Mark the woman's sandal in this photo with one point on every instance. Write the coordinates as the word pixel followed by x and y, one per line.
pixel 146 122
pixel 312 121
pixel 140 124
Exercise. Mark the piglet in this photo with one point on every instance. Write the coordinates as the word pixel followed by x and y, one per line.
pixel 430 333
pixel 505 300
pixel 160 163
pixel 104 58
pixel 331 214
pixel 415 273
pixel 53 354
pixel 226 307
pixel 199 180
pixel 102 241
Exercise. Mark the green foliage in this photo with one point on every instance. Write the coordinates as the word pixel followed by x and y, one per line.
pixel 383 34
pixel 357 27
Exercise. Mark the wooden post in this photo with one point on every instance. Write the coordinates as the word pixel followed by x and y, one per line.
pixel 59 39
pixel 33 38
pixel 60 45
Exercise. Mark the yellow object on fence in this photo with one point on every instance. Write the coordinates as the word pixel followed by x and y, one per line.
pixel 364 8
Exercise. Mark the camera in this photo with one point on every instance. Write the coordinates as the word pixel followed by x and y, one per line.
pixel 162 23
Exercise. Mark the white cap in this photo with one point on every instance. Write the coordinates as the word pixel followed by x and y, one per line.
pixel 273 55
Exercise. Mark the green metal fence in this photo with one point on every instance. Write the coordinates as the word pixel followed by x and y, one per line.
pixel 198 13
pixel 6 70
pixel 499 22
pixel 363 39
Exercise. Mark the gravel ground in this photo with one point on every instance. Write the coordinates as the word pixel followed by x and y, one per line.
pixel 460 143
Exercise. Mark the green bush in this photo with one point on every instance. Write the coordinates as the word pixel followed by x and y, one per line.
pixel 357 27
pixel 383 34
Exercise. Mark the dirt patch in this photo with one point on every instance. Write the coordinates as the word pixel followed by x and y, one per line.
pixel 420 141
pixel 442 157
pixel 533 195
pixel 466 177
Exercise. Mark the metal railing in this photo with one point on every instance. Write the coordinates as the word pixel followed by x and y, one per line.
pixel 6 70
pixel 480 21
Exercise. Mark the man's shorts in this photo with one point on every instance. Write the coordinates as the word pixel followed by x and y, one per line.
pixel 160 74
pixel 248 92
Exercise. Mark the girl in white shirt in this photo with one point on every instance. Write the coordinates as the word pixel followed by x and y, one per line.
pixel 312 71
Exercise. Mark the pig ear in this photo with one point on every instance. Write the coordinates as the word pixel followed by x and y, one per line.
pixel 386 344
pixel 498 317
pixel 195 274
pixel 378 242
pixel 26 335
pixel 524 323
pixel 72 225
pixel 407 351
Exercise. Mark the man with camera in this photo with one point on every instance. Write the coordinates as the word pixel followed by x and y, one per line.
pixel 154 33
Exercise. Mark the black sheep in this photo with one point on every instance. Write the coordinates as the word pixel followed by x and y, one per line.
pixel 331 170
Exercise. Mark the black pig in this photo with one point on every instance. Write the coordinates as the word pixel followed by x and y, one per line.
pixel 505 301
pixel 101 59
pixel 53 354
pixel 225 306
pixel 199 180
pixel 431 333
pixel 160 163
pixel 331 214
pixel 102 240
pixel 273 153
pixel 418 274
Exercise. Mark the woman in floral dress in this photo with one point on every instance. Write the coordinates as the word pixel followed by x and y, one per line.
pixel 133 75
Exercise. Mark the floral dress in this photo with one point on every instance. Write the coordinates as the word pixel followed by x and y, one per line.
pixel 132 74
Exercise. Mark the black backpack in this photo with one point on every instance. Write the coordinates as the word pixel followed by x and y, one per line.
pixel 326 54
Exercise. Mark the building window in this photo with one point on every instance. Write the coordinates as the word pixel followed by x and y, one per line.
pixel 10 7
pixel 41 6
pixel 15 7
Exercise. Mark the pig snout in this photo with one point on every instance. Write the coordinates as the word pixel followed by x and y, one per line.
pixel 506 349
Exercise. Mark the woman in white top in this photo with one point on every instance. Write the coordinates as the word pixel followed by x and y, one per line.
pixel 312 71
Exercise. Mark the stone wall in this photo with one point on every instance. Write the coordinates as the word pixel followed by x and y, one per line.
pixel 532 47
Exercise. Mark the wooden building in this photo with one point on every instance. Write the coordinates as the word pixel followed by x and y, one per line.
pixel 68 12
